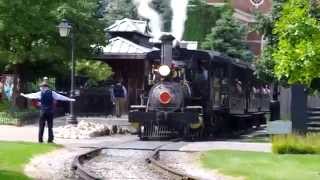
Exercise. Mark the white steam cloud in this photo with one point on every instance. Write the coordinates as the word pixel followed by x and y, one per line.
pixel 144 10
pixel 179 17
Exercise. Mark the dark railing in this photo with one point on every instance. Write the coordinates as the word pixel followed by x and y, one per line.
pixel 94 101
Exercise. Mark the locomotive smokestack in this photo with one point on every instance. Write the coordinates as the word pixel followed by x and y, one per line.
pixel 166 49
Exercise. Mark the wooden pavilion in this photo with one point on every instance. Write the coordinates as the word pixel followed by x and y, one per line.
pixel 126 53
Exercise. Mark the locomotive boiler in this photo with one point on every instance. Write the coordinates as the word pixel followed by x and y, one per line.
pixel 194 93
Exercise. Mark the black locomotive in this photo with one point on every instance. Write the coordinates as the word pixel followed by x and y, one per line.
pixel 195 93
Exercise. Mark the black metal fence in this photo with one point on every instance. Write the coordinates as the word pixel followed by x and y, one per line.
pixel 94 102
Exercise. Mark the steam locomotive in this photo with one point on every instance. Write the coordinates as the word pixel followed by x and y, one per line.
pixel 193 93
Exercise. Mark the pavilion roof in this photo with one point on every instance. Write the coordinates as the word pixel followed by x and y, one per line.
pixel 119 45
pixel 129 25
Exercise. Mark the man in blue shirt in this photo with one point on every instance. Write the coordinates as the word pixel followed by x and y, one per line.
pixel 46 97
pixel 119 95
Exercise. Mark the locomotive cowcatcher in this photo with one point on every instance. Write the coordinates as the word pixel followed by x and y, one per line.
pixel 194 93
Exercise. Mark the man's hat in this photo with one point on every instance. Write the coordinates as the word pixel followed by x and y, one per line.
pixel 44 84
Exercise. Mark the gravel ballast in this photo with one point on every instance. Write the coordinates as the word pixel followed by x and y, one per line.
pixel 124 164
pixel 54 165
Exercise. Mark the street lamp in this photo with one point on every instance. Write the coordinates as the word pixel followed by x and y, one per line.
pixel 64 30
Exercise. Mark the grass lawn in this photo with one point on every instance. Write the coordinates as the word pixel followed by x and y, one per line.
pixel 263 166
pixel 14 155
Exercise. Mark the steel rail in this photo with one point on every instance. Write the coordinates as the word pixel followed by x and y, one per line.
pixel 83 174
pixel 153 159
pixel 79 160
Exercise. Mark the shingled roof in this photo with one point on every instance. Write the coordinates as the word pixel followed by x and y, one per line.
pixel 119 45
pixel 129 25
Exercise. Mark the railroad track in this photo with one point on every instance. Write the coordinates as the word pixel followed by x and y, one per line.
pixel 84 174
pixel 154 161
pixel 77 165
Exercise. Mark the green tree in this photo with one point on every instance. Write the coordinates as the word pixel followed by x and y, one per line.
pixel 29 37
pixel 30 44
pixel 201 18
pixel 297 57
pixel 265 24
pixel 112 10
pixel 95 70
pixel 228 36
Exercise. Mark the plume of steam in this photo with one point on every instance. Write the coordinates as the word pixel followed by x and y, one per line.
pixel 179 17
pixel 144 10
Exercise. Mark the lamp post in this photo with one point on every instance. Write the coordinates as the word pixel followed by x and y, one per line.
pixel 65 29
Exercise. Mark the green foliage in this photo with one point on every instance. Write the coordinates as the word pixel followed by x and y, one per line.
pixel 262 166
pixel 29 37
pixel 298 49
pixel 201 18
pixel 265 66
pixel 266 22
pixel 264 25
pixel 17 118
pixel 228 36
pixel 13 116
pixel 296 144
pixel 34 86
pixel 292 34
pixel 95 70
pixel 112 10
pixel 14 155
pixel 4 105
pixel 5 174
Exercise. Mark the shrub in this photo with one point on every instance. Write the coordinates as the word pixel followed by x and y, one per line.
pixel 4 105
pixel 296 144
pixel 10 115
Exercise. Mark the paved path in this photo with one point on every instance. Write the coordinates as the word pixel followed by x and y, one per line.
pixel 56 165
pixel 29 133
pixel 227 145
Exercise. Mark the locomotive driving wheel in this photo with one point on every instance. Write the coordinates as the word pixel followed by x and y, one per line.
pixel 214 125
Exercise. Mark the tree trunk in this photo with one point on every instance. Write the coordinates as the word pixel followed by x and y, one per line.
pixel 19 86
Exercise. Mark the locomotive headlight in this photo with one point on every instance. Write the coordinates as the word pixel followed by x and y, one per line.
pixel 164 70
